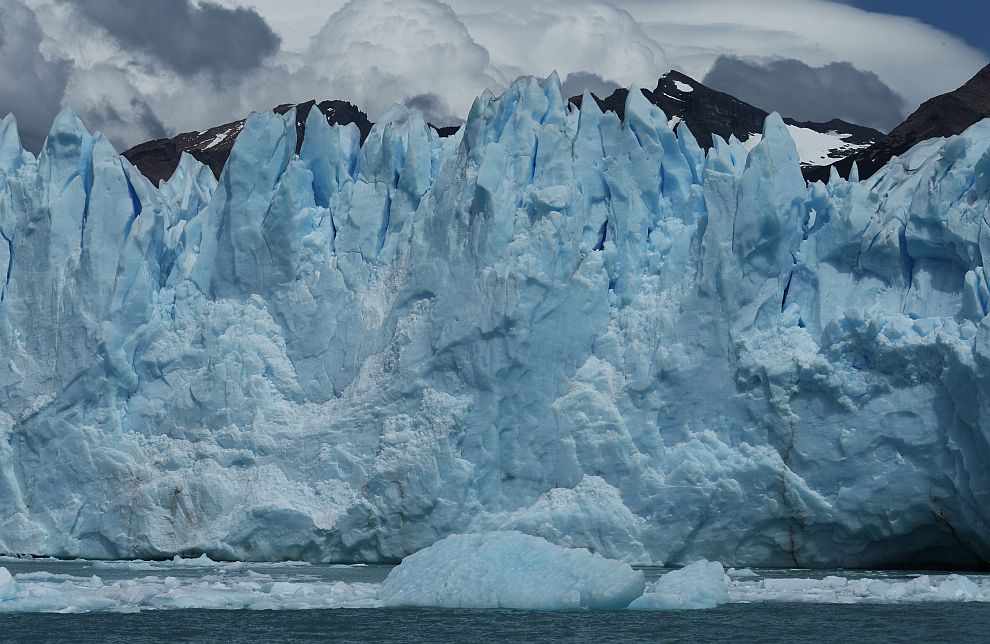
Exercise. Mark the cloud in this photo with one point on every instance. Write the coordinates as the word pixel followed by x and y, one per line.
pixel 378 52
pixel 567 36
pixel 189 38
pixel 137 67
pixel 131 96
pixel 577 82
pixel 788 86
pixel 31 86
pixel 107 101
pixel 434 109
pixel 966 20
pixel 439 57
pixel 915 60
pixel 296 21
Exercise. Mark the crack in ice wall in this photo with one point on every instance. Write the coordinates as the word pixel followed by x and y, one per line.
pixel 585 329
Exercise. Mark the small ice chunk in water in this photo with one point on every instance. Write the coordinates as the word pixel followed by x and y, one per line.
pixel 953 588
pixel 958 588
pixel 124 565
pixel 742 573
pixel 510 570
pixel 201 561
pixel 702 584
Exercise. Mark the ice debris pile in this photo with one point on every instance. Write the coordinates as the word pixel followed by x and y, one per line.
pixel 510 570
pixel 46 592
pixel 843 590
pixel 554 322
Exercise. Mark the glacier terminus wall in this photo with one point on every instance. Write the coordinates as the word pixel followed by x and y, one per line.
pixel 554 322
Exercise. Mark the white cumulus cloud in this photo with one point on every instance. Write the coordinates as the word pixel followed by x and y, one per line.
pixel 379 52
pixel 536 38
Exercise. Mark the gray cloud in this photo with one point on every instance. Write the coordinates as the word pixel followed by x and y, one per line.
pixel 136 116
pixel 187 37
pixel 577 82
pixel 107 101
pixel 434 109
pixel 797 90
pixel 31 87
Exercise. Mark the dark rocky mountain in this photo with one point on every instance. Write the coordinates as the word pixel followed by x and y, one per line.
pixel 158 159
pixel 943 115
pixel 708 112
pixel 682 99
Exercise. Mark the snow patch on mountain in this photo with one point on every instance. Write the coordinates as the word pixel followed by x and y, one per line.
pixel 814 148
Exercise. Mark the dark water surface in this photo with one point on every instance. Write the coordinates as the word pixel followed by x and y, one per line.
pixel 733 622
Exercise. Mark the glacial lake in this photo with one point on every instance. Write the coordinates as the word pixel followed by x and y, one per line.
pixel 242 602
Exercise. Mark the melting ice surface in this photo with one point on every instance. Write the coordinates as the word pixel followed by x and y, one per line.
pixel 555 322
pixel 510 570
pixel 491 570
pixel 702 584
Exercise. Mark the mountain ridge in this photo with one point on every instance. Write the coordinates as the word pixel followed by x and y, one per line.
pixel 739 117
pixel 682 98
pixel 158 159
pixel 940 116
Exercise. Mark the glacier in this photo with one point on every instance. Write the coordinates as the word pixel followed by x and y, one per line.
pixel 555 322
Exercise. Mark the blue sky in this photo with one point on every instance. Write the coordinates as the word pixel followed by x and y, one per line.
pixel 968 20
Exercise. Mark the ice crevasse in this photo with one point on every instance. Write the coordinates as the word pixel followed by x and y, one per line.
pixel 555 322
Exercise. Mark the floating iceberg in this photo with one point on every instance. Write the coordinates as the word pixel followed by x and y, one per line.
pixel 556 322
pixel 510 570
pixel 702 584
pixel 740 573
